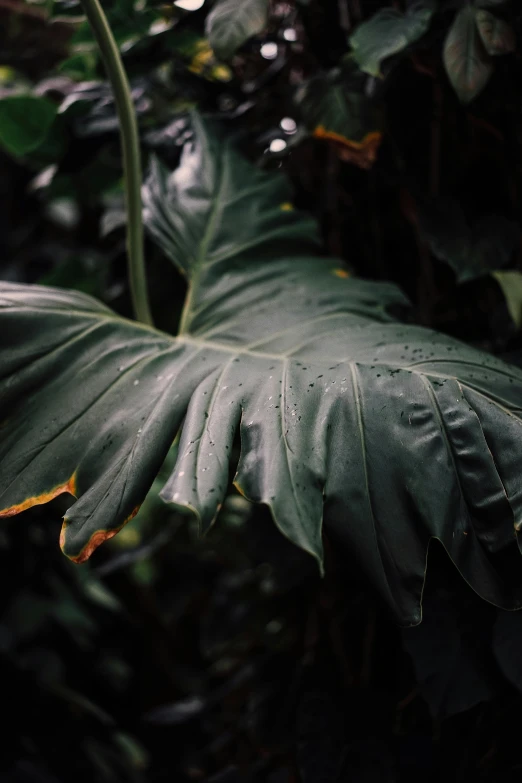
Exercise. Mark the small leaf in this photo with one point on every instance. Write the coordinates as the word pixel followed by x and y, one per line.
pixel 444 227
pixel 497 35
pixel 388 32
pixel 466 61
pixel 176 713
pixel 472 251
pixel 25 121
pixel 232 22
pixel 511 285
pixel 495 239
pixel 338 111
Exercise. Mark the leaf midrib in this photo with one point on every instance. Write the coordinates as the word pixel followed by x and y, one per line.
pixel 208 235
pixel 247 351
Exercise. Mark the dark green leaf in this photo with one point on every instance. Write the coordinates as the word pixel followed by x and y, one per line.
pixel 445 228
pixel 232 22
pixel 450 649
pixel 497 35
pixel 495 239
pixel 386 33
pixel 466 61
pixel 335 109
pixel 391 433
pixel 472 251
pixel 25 121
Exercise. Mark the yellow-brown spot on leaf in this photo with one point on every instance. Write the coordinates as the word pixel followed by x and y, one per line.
pixel 341 273
pixel 239 488
pixel 286 207
pixel 203 57
pixel 68 486
pixel 362 153
pixel 97 538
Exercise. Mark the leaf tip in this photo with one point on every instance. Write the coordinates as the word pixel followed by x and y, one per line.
pixel 97 538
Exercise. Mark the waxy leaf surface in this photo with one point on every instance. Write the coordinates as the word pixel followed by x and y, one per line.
pixel 386 33
pixel 390 433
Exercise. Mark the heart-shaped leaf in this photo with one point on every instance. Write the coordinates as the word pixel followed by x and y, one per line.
pixel 386 33
pixel 232 22
pixel 391 433
pixel 496 34
pixel 466 61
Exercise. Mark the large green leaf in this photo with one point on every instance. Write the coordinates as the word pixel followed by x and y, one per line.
pixel 467 63
pixel 232 22
pixel 392 433
pixel 388 32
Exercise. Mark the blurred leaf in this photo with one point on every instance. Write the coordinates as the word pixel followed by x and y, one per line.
pixel 129 22
pixel 511 285
pixel 133 749
pixel 388 32
pixel 86 273
pixel 81 66
pixel 179 712
pixel 204 63
pixel 472 251
pixel 336 110
pixel 445 228
pixel 466 61
pixel 232 22
pixel 83 703
pixel 495 239
pixel 497 35
pixel 114 217
pixel 25 121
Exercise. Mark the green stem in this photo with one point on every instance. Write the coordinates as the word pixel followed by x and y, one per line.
pixel 131 156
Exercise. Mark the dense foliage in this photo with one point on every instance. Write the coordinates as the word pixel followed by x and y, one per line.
pixel 398 128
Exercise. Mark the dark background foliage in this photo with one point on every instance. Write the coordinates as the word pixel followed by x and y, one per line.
pixel 228 659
